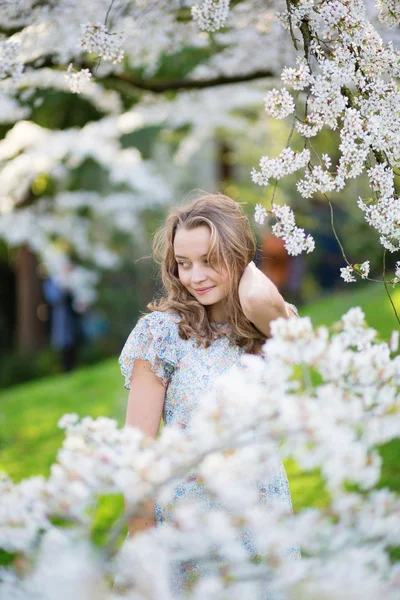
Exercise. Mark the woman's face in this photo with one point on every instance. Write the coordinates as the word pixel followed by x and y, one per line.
pixel 208 286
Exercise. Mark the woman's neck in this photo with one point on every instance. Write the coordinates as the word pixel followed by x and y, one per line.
pixel 218 313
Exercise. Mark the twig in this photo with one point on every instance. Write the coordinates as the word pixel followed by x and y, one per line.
pixel 385 284
pixel 334 231
pixel 290 25
pixel 108 12
pixel 105 25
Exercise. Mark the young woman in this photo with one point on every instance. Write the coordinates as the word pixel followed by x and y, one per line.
pixel 217 306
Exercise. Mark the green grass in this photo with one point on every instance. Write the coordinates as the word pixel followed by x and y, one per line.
pixel 29 437
pixel 373 300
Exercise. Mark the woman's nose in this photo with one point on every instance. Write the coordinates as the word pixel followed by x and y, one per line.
pixel 198 274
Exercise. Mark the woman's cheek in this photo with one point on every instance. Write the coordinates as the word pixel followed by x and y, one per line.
pixel 185 281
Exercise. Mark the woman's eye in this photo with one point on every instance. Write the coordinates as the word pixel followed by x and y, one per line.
pixel 183 264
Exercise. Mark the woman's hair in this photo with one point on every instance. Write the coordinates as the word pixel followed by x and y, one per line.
pixel 232 245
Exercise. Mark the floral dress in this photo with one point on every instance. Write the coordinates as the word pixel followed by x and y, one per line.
pixel 186 372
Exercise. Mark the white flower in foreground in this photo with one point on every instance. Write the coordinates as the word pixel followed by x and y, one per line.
pixel 397 272
pixel 316 180
pixel 77 80
pixel 327 160
pixel 67 568
pixel 384 216
pixel 354 318
pixel 294 237
pixel 381 180
pixel 22 513
pixel 211 15
pixel 279 103
pixel 394 340
pixel 355 332
pixel 67 420
pixel 286 163
pixel 9 64
pixel 260 214
pixel 364 268
pixel 389 12
pixel 299 78
pixel 325 398
pixel 98 40
pixel 347 274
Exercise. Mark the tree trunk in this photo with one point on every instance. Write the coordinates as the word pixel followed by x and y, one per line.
pixel 225 167
pixel 31 331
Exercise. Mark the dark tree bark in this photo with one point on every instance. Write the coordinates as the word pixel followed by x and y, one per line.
pixel 31 331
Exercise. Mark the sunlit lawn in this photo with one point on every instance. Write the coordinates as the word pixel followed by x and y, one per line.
pixel 29 438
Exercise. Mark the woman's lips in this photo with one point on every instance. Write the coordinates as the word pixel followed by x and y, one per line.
pixel 204 290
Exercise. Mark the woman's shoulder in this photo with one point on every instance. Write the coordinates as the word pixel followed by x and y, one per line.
pixel 154 338
pixel 158 325
pixel 158 318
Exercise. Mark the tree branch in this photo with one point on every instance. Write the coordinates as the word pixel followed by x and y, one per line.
pixel 159 86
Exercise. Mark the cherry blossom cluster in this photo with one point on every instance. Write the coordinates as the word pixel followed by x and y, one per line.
pixel 316 180
pixel 347 273
pixel 299 11
pixel 289 161
pixel 299 78
pixel 389 12
pixel 295 239
pixel 397 272
pixel 98 40
pixel 381 180
pixel 211 15
pixel 352 57
pixel 77 80
pixel 10 66
pixel 331 396
pixel 385 217
pixel 345 52
pixel 279 103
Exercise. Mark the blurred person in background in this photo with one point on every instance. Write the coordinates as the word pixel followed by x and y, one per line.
pixel 66 318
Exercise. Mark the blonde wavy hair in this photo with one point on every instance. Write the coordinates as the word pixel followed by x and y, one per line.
pixel 232 245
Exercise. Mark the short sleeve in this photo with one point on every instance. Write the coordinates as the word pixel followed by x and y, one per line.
pixel 154 338
pixel 292 306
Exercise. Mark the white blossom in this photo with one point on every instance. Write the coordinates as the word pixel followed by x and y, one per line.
pixel 279 103
pixel 397 272
pixel 316 180
pixel 77 80
pixel 294 237
pixel 332 423
pixel 211 14
pixel 394 340
pixel 364 269
pixel 381 180
pixel 287 162
pixel 98 40
pixel 9 63
pixel 389 12
pixel 347 274
pixel 260 214
pixel 299 78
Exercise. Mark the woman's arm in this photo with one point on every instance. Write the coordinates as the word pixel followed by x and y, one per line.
pixel 260 299
pixel 145 405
